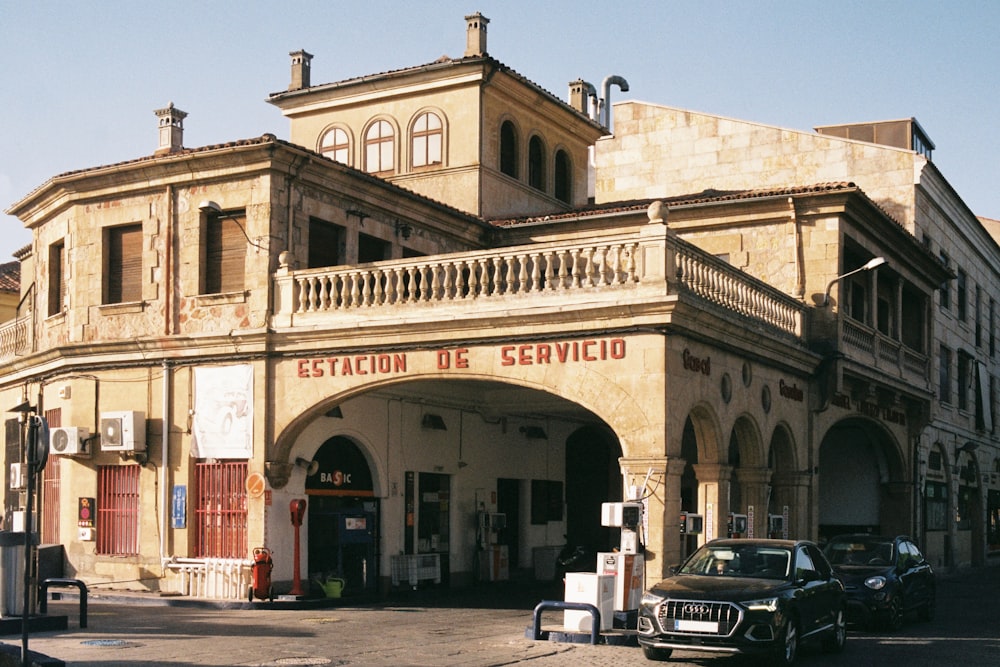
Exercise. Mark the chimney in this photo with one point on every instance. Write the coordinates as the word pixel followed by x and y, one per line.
pixel 475 35
pixel 171 124
pixel 301 63
pixel 580 95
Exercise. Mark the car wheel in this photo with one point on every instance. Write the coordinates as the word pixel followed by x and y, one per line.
pixel 834 642
pixel 657 654
pixel 788 644
pixel 894 615
pixel 926 612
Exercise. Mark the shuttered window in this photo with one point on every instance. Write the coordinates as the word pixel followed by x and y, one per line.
pixel 124 264
pixel 225 253
pixel 57 277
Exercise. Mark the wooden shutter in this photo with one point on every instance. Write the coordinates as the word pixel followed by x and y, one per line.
pixel 125 264
pixel 225 255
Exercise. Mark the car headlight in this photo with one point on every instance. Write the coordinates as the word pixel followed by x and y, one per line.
pixel 650 599
pixel 875 583
pixel 765 604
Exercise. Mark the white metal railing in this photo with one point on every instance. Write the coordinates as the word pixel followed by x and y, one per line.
pixel 414 568
pixel 16 337
pixel 214 578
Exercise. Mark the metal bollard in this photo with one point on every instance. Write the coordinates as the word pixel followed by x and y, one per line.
pixel 43 601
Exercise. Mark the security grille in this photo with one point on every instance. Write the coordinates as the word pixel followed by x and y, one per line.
pixel 221 512
pixel 118 510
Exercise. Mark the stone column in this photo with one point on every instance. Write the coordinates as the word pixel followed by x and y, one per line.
pixel 755 488
pixel 713 498
pixel 662 498
pixel 791 489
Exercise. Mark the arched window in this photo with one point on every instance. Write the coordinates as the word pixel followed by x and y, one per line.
pixel 508 149
pixel 564 177
pixel 336 145
pixel 426 140
pixel 536 163
pixel 380 147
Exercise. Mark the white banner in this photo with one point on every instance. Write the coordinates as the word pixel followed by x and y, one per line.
pixel 223 412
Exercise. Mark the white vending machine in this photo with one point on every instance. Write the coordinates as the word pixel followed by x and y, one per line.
pixel 628 570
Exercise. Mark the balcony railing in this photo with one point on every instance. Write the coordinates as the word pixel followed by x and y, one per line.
pixel 611 268
pixel 871 347
pixel 16 337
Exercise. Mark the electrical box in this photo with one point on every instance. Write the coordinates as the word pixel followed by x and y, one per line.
pixel 18 476
pixel 692 524
pixel 615 515
pixel 123 431
pixel 69 441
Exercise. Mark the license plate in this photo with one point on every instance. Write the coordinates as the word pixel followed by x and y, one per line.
pixel 696 626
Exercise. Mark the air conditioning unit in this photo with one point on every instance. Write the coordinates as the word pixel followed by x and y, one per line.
pixel 123 431
pixel 69 441
pixel 18 476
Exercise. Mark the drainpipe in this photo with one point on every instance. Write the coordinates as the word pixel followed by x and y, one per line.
pixel 164 460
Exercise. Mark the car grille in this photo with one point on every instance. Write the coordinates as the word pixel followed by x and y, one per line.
pixel 727 615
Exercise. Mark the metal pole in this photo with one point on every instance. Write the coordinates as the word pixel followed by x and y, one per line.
pixel 29 492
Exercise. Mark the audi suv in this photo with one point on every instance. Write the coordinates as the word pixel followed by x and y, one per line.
pixel 746 596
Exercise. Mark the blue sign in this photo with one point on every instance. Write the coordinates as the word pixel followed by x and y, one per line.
pixel 178 511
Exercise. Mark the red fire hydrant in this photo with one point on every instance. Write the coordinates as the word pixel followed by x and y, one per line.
pixel 260 573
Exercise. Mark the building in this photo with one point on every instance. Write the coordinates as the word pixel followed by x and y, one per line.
pixel 10 289
pixel 410 317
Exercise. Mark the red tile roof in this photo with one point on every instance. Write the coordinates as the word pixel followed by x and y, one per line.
pixel 10 277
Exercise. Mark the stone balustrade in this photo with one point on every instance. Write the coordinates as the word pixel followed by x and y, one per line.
pixel 16 337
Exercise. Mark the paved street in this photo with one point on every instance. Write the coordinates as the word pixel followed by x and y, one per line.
pixel 425 630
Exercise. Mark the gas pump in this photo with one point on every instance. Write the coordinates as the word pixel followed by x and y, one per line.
pixel 776 527
pixel 737 525
pixel 298 512
pixel 691 526
pixel 627 564
pixel 493 558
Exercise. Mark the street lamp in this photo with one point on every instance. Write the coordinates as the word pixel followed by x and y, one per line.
pixel 869 265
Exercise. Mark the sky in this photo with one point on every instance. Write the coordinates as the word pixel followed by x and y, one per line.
pixel 80 79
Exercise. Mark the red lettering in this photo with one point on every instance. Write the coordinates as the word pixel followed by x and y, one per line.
pixel 617 348
pixel 383 363
pixel 506 359
pixel 587 344
pixel 524 355
pixel 346 368
pixel 358 367
pixel 542 353
pixel 561 352
pixel 461 361
pixel 317 369
pixel 303 368
pixel 443 359
pixel 400 363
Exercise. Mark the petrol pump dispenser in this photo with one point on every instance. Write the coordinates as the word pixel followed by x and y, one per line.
pixel 627 564
pixel 737 525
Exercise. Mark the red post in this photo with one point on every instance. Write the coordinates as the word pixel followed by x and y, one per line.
pixel 298 510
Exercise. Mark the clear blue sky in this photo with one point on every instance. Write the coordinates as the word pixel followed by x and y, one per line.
pixel 79 80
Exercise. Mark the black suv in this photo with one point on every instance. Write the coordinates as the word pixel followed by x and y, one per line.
pixel 884 577
pixel 745 596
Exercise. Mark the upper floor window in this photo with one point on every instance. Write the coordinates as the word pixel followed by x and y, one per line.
pixel 945 290
pixel 508 149
pixel 57 277
pixel 990 333
pixel 977 309
pixel 536 163
pixel 426 140
pixel 964 370
pixel 913 326
pixel 372 249
pixel 336 145
pixel 124 264
pixel 326 244
pixel 962 296
pixel 564 176
pixel 225 253
pixel 944 374
pixel 380 147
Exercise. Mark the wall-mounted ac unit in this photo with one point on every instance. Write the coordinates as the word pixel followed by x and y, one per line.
pixel 18 476
pixel 69 441
pixel 123 431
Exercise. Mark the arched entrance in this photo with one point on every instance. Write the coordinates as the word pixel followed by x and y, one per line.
pixel 861 481
pixel 343 516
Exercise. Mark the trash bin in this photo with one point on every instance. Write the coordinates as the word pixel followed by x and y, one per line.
pixel 11 574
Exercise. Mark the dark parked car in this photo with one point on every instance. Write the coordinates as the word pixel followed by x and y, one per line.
pixel 745 596
pixel 884 577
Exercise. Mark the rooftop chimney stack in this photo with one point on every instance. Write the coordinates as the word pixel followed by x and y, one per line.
pixel 475 35
pixel 301 64
pixel 171 125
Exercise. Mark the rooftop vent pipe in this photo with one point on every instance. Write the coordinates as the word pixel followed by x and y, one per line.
pixel 604 113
